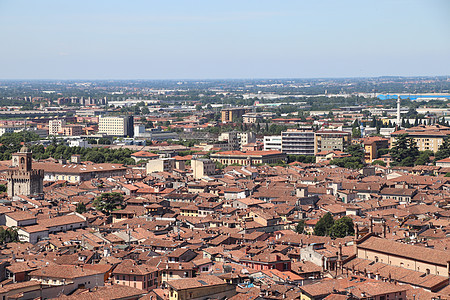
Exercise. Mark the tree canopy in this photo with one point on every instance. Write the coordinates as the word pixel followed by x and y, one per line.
pixel 327 226
pixel 107 202
pixel 444 150
pixel 342 228
pixel 323 226
pixel 356 132
pixel 404 151
pixel 81 208
pixel 354 161
pixel 300 228
pixel 8 235
pixel 95 154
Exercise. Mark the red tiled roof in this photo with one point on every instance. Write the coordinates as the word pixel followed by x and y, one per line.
pixel 144 154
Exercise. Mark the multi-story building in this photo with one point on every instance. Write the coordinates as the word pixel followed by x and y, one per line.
pixel 246 138
pixel 332 140
pixel 202 287
pixel 79 143
pixel 10 129
pixel 298 142
pixel 427 137
pixel 272 142
pixel 116 126
pixel 142 276
pixel 202 168
pixel 237 139
pixel 431 265
pixel 248 158
pixel 71 130
pixel 69 276
pixel 232 138
pixel 55 126
pixel 78 172
pixel 231 114
pixel 371 146
pixel 252 118
pixel 160 165
pixel 154 134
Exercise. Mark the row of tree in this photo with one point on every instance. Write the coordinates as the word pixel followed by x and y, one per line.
pixel 95 154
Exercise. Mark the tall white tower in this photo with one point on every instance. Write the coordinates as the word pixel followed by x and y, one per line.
pixel 398 112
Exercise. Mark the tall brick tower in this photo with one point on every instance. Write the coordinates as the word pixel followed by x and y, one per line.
pixel 23 180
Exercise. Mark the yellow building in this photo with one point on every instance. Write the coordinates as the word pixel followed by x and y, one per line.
pixel 189 211
pixel 427 137
pixel 372 145
pixel 202 287
pixel 231 114
pixel 248 157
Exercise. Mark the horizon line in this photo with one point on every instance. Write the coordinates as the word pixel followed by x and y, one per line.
pixel 236 78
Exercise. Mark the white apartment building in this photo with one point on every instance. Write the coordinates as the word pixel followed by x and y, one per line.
pixel 298 142
pixel 55 126
pixel 272 143
pixel 79 143
pixel 116 126
pixel 237 139
pixel 10 129
pixel 246 138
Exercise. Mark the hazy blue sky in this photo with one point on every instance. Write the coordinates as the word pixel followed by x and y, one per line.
pixel 168 39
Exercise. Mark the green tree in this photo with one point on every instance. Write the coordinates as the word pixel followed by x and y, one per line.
pixel 300 228
pixel 219 165
pixel 9 235
pixel 404 151
pixel 95 157
pixel 356 132
pixel 379 163
pixel 354 161
pixel 145 110
pixel 424 158
pixel 374 122
pixel 308 159
pixel 355 151
pixel 347 162
pixel 107 202
pixel 3 188
pixel 81 208
pixel 444 150
pixel 342 228
pixel 104 141
pixel 323 226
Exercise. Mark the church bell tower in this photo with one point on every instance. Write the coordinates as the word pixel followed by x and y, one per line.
pixel 22 179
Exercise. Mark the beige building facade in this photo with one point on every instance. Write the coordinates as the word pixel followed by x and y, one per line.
pixel 202 168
